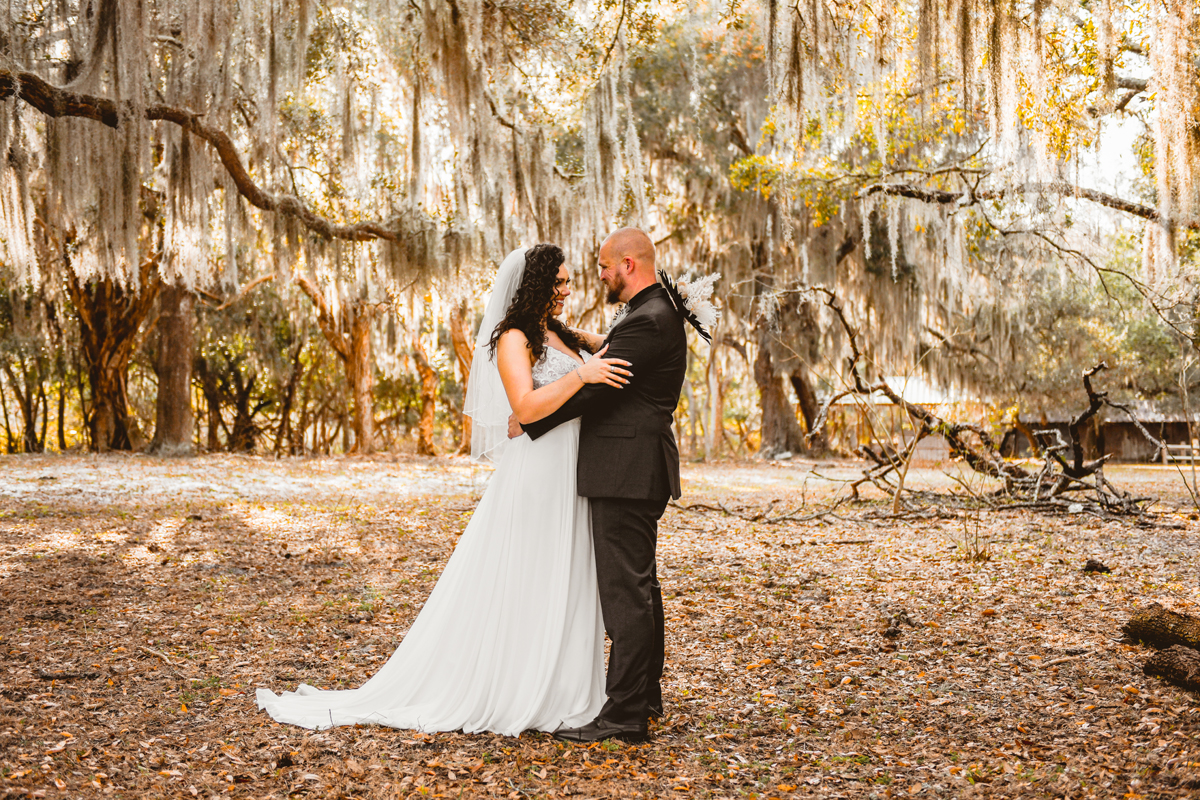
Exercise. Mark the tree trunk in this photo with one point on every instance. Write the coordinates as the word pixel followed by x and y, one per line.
pixel 110 316
pixel 58 340
pixel 45 417
pixel 428 377
pixel 244 436
pixel 806 399
pixel 464 349
pixel 26 390
pixel 780 431
pixel 689 396
pixel 714 424
pixel 62 410
pixel 361 374
pixel 9 445
pixel 85 409
pixel 212 404
pixel 354 349
pixel 284 431
pixel 296 442
pixel 173 418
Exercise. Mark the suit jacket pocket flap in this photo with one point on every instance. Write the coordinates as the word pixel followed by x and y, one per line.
pixel 617 431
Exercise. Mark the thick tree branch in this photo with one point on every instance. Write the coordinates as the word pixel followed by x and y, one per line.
pixel 1124 101
pixel 325 318
pixel 55 102
pixel 1133 84
pixel 942 197
pixel 246 290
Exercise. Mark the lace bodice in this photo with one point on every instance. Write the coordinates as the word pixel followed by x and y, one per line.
pixel 553 365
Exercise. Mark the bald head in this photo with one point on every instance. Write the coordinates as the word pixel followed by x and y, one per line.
pixel 632 243
pixel 626 263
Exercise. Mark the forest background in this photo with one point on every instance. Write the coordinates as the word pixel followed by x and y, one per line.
pixel 270 226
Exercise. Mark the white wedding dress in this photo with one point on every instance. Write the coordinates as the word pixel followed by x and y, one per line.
pixel 511 638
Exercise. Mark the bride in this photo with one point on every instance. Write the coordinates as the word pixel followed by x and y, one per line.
pixel 511 638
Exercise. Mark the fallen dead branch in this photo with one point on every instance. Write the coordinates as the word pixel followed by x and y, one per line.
pixel 1065 482
pixel 922 513
pixel 1162 628
pixel 1177 664
pixel 157 654
pixel 66 676
pixel 1054 662
pixel 763 516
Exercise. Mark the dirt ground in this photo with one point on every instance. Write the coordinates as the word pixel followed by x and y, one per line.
pixel 849 654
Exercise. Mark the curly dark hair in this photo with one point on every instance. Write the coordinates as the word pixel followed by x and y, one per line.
pixel 532 302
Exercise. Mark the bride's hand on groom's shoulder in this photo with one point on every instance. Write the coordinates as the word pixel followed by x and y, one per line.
pixel 611 371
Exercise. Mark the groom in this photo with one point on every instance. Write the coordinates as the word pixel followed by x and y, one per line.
pixel 629 468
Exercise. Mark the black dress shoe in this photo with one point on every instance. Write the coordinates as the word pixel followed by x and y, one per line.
pixel 656 711
pixel 600 729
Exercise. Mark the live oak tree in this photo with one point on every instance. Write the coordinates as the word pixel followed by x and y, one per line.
pixel 31 356
pixel 192 145
pixel 363 153
pixel 710 137
pixel 980 112
pixel 940 143
pixel 303 139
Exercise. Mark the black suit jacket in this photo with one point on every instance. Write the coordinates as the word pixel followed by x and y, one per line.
pixel 626 442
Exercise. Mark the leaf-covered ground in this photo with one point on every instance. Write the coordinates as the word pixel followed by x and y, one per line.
pixel 847 655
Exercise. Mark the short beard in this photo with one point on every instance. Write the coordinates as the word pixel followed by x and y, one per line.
pixel 614 292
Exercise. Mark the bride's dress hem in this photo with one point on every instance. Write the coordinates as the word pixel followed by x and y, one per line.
pixel 511 638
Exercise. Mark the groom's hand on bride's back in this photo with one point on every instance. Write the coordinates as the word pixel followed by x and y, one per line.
pixel 514 427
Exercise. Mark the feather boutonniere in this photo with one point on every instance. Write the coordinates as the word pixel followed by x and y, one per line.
pixel 620 315
pixel 692 297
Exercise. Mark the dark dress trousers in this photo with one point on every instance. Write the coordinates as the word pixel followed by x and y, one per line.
pixel 629 468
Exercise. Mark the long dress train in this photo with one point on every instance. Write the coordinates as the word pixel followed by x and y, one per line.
pixel 511 638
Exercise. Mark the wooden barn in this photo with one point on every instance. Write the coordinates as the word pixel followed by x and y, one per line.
pixel 1119 436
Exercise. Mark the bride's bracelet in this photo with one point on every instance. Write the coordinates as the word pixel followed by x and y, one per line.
pixel 579 375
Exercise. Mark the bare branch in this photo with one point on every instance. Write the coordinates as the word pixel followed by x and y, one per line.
pixel 1042 489
pixel 1096 401
pixel 246 290
pixel 616 38
pixel 942 197
pixel 1124 101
